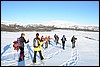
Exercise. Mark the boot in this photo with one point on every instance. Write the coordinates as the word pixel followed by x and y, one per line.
pixel 42 59
pixel 19 60
pixel 23 57
pixel 34 62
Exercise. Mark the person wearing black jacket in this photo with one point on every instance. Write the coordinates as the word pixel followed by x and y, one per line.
pixel 73 40
pixel 21 47
pixel 63 41
pixel 57 39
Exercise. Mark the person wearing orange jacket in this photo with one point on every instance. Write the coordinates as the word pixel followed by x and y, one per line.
pixel 46 42
pixel 49 39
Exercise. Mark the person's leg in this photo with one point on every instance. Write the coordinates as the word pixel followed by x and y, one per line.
pixel 63 44
pixel 45 44
pixel 41 55
pixel 56 42
pixel 73 44
pixel 23 53
pixel 49 42
pixel 20 54
pixel 34 60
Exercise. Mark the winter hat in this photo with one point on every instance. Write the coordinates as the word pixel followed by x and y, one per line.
pixel 63 35
pixel 37 34
pixel 22 34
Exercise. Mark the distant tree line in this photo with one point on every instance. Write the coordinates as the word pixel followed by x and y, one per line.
pixel 17 28
pixel 35 27
pixel 79 29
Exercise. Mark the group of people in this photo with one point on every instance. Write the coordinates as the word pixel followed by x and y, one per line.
pixel 46 39
pixel 38 43
pixel 63 39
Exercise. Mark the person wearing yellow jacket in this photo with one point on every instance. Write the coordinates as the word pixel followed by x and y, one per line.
pixel 37 47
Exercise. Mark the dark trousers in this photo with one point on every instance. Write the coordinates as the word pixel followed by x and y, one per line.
pixel 49 42
pixel 73 44
pixel 21 52
pixel 56 42
pixel 63 44
pixel 34 60
pixel 46 44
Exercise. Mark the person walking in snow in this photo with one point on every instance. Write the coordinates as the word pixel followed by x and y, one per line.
pixel 21 46
pixel 46 42
pixel 37 47
pixel 42 40
pixel 57 39
pixel 49 39
pixel 63 41
pixel 73 40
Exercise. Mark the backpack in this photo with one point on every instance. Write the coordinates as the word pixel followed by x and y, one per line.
pixel 18 40
pixel 16 46
pixel 35 42
pixel 72 40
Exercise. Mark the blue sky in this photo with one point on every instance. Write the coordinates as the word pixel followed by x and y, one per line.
pixel 80 12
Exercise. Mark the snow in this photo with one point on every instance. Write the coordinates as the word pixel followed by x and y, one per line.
pixel 56 23
pixel 86 52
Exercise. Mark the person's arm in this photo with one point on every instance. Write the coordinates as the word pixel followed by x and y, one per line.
pixel 65 39
pixel 61 39
pixel 75 38
pixel 25 40
pixel 41 43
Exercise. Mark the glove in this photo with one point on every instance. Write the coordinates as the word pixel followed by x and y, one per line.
pixel 28 40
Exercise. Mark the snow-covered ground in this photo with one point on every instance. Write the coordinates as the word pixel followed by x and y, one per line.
pixel 86 52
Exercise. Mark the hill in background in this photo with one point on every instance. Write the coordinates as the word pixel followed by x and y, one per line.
pixel 47 27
